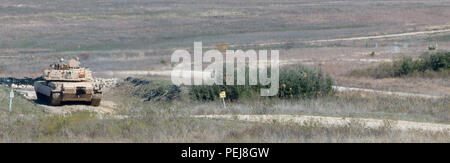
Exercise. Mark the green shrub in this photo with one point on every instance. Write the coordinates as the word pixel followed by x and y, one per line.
pixel 295 82
pixel 300 82
pixel 233 92
pixel 211 92
pixel 438 62
pixel 405 66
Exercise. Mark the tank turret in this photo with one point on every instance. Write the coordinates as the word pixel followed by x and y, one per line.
pixel 67 72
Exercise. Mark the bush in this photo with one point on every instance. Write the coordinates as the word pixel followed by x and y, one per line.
pixel 154 89
pixel 233 92
pixel 405 66
pixel 300 82
pixel 295 82
pixel 211 93
pixel 438 62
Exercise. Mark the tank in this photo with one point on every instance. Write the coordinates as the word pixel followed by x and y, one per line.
pixel 68 82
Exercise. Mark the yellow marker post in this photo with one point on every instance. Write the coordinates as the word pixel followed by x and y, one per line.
pixel 223 95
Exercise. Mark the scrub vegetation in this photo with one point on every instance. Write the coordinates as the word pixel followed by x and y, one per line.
pixel 428 65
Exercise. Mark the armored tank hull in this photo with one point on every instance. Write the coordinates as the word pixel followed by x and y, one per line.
pixel 68 82
pixel 57 92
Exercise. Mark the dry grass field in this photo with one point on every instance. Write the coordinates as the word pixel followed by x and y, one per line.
pixel 175 121
pixel 133 36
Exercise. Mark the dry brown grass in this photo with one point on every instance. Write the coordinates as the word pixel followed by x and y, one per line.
pixel 172 122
